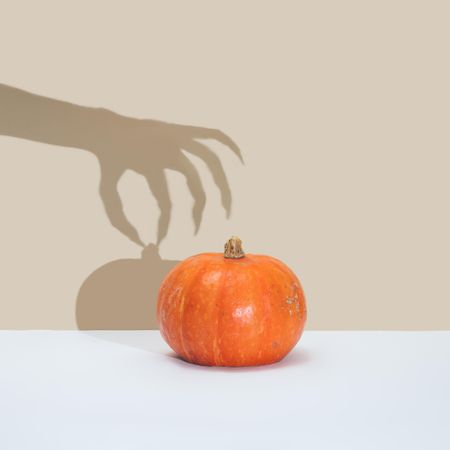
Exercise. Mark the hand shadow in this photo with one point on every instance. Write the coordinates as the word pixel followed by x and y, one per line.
pixel 121 143
pixel 122 294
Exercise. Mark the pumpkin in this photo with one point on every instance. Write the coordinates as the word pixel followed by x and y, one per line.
pixel 231 308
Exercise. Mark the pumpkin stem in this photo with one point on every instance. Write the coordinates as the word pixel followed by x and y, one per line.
pixel 233 248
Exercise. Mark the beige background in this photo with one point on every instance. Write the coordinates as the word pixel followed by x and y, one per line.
pixel 341 110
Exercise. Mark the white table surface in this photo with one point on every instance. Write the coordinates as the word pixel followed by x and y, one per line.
pixel 125 390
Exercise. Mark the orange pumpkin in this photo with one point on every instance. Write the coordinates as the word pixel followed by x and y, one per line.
pixel 231 309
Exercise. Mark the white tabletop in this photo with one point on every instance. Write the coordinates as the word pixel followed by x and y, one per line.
pixel 125 390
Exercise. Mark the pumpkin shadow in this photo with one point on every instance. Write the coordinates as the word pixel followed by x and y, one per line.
pixel 297 357
pixel 122 294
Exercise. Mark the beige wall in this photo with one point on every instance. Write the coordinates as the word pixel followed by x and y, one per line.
pixel 341 110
